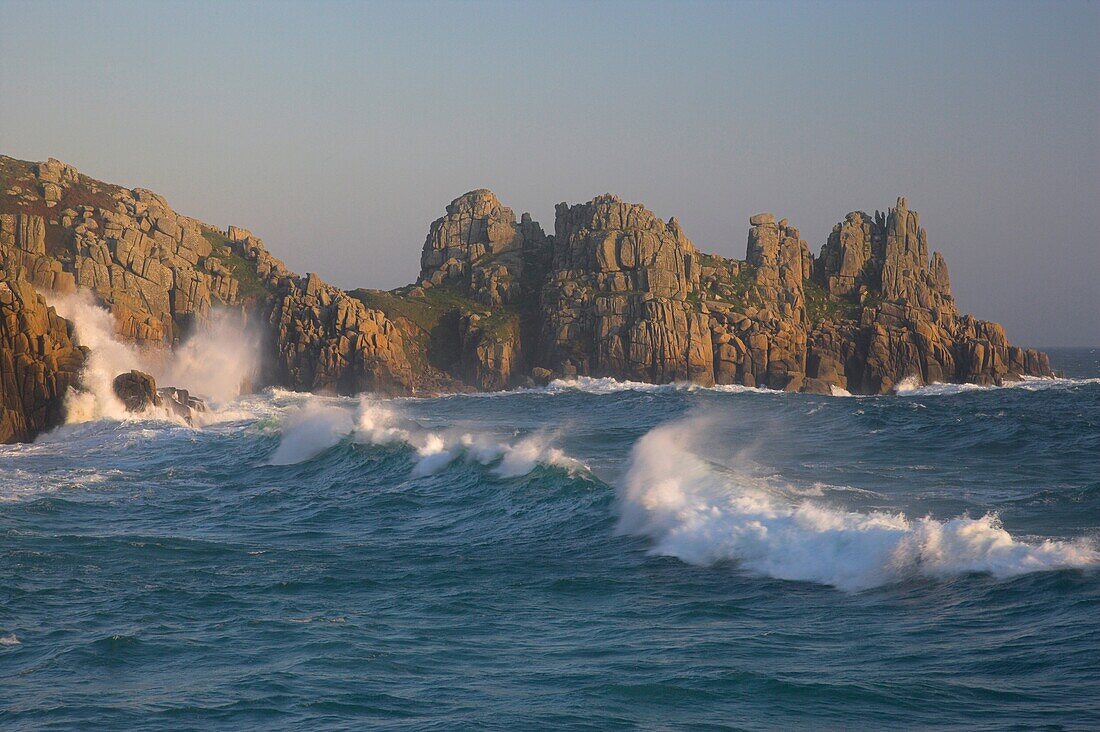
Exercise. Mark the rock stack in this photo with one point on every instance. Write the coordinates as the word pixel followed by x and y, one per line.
pixel 615 291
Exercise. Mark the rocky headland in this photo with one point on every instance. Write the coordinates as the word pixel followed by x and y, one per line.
pixel 614 291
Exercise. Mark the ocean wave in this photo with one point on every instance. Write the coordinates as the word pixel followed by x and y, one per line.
pixel 608 385
pixel 913 387
pixel 693 509
pixel 319 425
pixel 20 484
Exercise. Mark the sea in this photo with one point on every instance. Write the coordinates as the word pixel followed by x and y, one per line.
pixel 591 555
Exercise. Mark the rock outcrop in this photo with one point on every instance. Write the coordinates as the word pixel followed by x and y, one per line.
pixel 180 403
pixel 615 291
pixel 479 246
pixel 616 300
pixel 908 326
pixel 136 390
pixel 39 361
pixel 157 271
pixel 326 340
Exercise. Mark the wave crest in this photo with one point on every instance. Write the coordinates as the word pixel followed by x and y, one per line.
pixel 318 425
pixel 701 513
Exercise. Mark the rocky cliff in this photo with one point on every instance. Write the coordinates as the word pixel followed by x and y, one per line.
pixel 39 361
pixel 615 291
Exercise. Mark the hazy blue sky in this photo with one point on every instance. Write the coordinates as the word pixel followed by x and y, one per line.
pixel 339 131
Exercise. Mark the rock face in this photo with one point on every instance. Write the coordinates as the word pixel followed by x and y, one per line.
pixel 907 326
pixel 39 361
pixel 324 339
pixel 616 298
pixel 615 291
pixel 479 246
pixel 161 273
pixel 157 271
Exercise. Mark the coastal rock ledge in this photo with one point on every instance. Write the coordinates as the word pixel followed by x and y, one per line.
pixel 614 291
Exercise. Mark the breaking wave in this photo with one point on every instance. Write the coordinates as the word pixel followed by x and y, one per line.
pixel 703 512
pixel 910 386
pixel 217 362
pixel 319 425
pixel 913 387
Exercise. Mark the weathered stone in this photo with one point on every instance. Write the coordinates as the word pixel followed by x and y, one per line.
pixel 39 362
pixel 136 390
pixel 180 403
pixel 617 299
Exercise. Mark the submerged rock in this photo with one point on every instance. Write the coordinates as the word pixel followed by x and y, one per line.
pixel 180 403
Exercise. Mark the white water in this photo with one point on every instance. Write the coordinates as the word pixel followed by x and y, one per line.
pixel 701 512
pixel 213 363
pixel 320 424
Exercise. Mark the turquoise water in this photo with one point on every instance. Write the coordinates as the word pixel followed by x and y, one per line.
pixel 590 556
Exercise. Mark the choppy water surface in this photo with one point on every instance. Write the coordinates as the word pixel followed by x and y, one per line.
pixel 588 556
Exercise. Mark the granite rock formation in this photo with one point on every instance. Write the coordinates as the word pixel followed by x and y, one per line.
pixel 39 361
pixel 615 302
pixel 615 291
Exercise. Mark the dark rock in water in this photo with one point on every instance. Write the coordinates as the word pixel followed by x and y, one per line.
pixel 137 390
pixel 180 403
pixel 39 361
pixel 541 376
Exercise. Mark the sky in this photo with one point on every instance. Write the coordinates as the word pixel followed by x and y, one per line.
pixel 338 131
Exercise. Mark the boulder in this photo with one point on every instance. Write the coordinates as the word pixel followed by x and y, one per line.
pixel 137 391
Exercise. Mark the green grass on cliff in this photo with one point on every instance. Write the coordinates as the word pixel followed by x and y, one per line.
pixel 738 291
pixel 427 310
pixel 821 306
pixel 249 283
pixel 434 335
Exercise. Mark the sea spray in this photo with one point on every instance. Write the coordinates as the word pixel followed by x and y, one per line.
pixel 700 512
pixel 219 361
pixel 214 362
pixel 310 430
pixel 108 356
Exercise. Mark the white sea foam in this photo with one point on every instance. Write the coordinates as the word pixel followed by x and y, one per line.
pixel 1026 383
pixel 909 386
pixel 319 424
pixel 609 385
pixel 108 357
pixel 701 512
